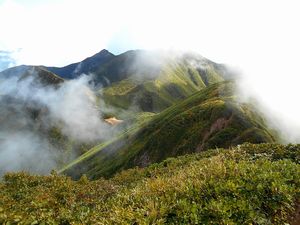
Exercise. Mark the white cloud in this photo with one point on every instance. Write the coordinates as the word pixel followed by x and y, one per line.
pixel 25 143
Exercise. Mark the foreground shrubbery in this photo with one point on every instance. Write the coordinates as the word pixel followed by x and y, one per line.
pixel 250 184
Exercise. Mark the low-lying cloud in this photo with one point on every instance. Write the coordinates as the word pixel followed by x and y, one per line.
pixel 276 98
pixel 28 109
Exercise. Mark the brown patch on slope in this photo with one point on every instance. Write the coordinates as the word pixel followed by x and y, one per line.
pixel 218 125
pixel 113 121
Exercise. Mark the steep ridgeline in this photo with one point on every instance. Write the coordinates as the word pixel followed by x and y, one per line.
pixel 210 118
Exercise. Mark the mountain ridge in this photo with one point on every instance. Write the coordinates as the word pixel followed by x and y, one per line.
pixel 210 118
pixel 85 66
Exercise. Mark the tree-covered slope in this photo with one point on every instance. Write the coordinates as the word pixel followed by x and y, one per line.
pixel 248 184
pixel 210 118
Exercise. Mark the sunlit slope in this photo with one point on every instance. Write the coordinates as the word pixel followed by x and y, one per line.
pixel 153 81
pixel 143 80
pixel 210 118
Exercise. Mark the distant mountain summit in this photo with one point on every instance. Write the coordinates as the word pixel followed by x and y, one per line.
pixel 87 66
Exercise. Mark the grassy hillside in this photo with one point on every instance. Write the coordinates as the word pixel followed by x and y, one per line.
pixel 249 184
pixel 153 81
pixel 208 119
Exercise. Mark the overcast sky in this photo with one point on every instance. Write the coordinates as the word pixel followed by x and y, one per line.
pixel 260 37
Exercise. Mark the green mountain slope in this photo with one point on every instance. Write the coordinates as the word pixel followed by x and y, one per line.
pixel 143 80
pixel 249 184
pixel 210 118
pixel 153 81
pixel 140 80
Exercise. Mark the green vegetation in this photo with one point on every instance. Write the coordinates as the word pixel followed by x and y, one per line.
pixel 248 184
pixel 210 118
pixel 151 86
pixel 66 146
pixel 140 120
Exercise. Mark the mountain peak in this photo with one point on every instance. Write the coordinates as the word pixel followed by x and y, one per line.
pixel 105 51
pixel 102 53
pixel 88 65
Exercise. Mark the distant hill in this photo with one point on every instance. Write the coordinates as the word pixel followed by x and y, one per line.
pixel 39 73
pixel 210 118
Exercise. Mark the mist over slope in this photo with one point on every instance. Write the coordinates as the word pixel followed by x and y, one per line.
pixel 42 117
pixel 154 80
pixel 138 109
pixel 147 80
pixel 209 118
pixel 65 114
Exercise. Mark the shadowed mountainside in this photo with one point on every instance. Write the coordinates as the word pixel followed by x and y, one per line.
pixel 87 66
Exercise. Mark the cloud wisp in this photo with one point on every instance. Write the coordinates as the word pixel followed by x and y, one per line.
pixel 28 110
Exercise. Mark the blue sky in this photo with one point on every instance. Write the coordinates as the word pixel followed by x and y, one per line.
pixel 6 60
